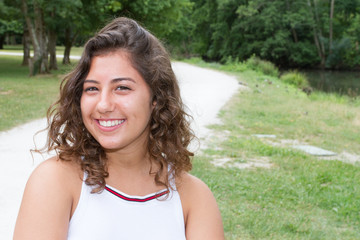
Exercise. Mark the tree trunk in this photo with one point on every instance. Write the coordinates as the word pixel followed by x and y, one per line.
pixel 293 32
pixel 12 39
pixel 294 35
pixel 52 43
pixel 26 46
pixel 66 59
pixel 317 34
pixel 69 41
pixel 39 63
pixel 52 50
pixel 42 36
pixel 331 25
pixel 2 39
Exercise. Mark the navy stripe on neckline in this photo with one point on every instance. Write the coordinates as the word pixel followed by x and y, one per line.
pixel 130 199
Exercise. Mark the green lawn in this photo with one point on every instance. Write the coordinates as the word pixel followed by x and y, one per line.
pixel 22 98
pixel 297 196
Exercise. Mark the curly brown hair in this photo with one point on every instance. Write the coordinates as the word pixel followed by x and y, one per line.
pixel 170 132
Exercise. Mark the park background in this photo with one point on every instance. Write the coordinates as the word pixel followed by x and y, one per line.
pixel 265 188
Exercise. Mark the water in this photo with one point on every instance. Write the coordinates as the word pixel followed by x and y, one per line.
pixel 341 82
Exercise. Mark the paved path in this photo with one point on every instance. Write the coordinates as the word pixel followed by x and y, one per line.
pixel 20 54
pixel 203 91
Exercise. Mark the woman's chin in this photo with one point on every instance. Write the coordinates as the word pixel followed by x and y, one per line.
pixel 111 146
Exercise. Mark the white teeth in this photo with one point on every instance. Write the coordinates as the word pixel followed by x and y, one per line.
pixel 110 123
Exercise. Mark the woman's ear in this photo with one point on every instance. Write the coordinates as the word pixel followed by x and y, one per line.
pixel 154 102
pixel 153 105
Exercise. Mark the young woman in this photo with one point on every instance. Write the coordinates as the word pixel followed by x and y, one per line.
pixel 121 135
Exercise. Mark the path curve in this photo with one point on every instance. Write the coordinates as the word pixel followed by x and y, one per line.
pixel 204 91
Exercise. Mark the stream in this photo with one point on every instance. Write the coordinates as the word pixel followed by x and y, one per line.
pixel 341 82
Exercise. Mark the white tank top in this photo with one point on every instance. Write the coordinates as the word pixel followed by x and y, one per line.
pixel 112 214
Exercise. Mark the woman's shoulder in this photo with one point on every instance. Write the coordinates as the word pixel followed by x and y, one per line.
pixel 48 200
pixel 54 176
pixel 192 191
pixel 188 183
pixel 201 212
pixel 57 171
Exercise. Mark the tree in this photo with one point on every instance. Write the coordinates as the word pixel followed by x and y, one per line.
pixel 293 33
pixel 9 23
pixel 317 31
pixel 179 40
pixel 26 46
pixel 38 36
pixel 45 20
pixel 160 17
pixel 72 17
pixel 52 19
pixel 204 15
pixel 331 25
pixel 80 19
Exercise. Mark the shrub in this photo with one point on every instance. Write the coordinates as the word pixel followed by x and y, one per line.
pixel 266 67
pixel 233 65
pixel 296 79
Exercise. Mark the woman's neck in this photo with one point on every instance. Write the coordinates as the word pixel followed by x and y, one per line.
pixel 128 160
pixel 130 173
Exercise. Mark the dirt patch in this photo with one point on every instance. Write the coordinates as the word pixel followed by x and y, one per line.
pixel 344 157
pixel 262 162
pixel 216 137
pixel 356 121
pixel 282 142
pixel 6 92
pixel 213 138
pixel 211 142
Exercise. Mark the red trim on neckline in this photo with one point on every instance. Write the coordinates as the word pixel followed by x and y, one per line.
pixel 130 199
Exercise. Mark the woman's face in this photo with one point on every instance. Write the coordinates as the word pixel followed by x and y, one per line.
pixel 116 103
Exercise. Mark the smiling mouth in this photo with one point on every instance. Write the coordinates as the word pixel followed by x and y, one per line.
pixel 111 123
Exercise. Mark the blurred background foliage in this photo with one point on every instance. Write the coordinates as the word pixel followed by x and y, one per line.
pixel 290 33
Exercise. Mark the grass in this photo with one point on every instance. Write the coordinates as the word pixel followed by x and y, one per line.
pixel 297 199
pixel 272 107
pixel 22 98
pixel 300 196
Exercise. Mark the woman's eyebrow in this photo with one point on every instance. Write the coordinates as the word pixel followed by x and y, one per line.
pixel 115 80
pixel 91 81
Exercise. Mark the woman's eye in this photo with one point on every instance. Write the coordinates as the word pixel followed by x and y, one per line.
pixel 90 89
pixel 123 88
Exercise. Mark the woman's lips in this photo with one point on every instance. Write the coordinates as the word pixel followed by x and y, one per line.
pixel 109 125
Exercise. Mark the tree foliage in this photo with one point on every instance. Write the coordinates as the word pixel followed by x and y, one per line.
pixel 68 22
pixel 290 33
pixel 160 17
pixel 9 22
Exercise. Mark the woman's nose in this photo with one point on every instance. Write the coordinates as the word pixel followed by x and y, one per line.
pixel 105 103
